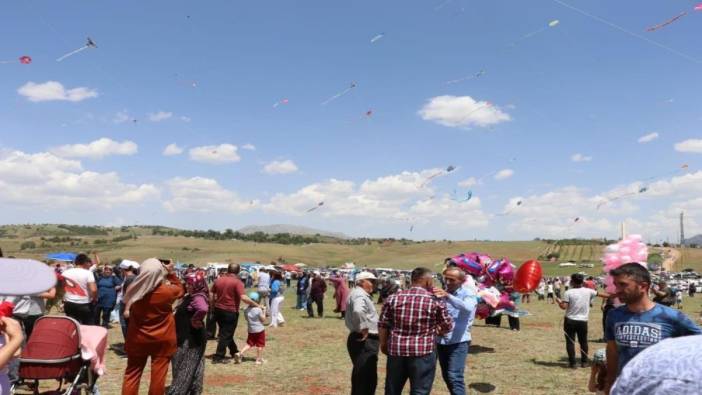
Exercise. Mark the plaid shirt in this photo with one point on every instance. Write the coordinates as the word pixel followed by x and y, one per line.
pixel 414 317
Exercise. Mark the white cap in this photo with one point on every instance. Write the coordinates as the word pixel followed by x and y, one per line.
pixel 126 263
pixel 365 276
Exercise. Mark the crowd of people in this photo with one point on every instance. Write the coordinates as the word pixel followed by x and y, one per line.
pixel 167 316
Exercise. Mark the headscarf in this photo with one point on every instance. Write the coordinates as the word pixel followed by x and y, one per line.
pixel 197 284
pixel 151 275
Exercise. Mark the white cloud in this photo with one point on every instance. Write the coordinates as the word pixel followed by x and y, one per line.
pixel 46 180
pixel 580 158
pixel 122 117
pixel 504 174
pixel 462 111
pixel 172 149
pixel 280 167
pixel 691 145
pixel 159 116
pixel 468 182
pixel 249 147
pixel 647 138
pixel 185 119
pixel 215 154
pixel 199 194
pixel 97 149
pixel 54 91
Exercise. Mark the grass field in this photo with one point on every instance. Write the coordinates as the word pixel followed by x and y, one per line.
pixel 308 356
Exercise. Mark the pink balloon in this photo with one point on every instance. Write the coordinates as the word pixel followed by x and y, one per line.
pixel 505 302
pixel 506 272
pixel 482 311
pixel 625 250
pixel 634 237
pixel 626 259
pixel 609 285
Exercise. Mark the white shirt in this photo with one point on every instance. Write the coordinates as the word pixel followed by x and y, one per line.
pixel 76 282
pixel 264 281
pixel 578 300
pixel 550 288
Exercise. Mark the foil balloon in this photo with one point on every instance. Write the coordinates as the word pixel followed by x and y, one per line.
pixel 492 268
pixel 528 277
pixel 6 309
pixel 506 302
pixel 505 273
pixel 482 311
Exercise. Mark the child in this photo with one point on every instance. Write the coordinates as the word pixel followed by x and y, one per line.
pixel 598 372
pixel 255 317
pixel 678 298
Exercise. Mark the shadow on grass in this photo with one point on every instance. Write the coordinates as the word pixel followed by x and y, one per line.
pixel 478 349
pixel 561 363
pixel 482 388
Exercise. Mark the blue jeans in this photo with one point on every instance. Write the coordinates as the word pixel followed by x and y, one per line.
pixel 419 370
pixel 452 358
pixel 301 301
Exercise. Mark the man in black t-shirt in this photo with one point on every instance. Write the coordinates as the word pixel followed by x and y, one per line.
pixel 663 294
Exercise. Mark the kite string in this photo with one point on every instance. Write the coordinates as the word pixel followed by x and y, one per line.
pixel 72 53
pixel 629 32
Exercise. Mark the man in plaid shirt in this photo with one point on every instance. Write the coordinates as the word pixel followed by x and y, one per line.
pixel 408 326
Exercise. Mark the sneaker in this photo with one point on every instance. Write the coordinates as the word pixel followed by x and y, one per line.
pixel 237 357
pixel 260 361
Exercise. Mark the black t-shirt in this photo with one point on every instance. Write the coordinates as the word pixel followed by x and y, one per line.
pixel 668 299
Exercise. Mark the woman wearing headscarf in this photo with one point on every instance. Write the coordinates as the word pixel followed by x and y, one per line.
pixel 341 293
pixel 188 364
pixel 151 330
pixel 107 285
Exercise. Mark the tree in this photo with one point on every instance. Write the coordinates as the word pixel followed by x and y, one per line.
pixel 28 245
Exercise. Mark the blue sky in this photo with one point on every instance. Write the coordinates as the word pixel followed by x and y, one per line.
pixel 214 70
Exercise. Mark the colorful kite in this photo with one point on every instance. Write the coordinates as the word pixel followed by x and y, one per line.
pixel 89 44
pixel 551 24
pixel 320 204
pixel 22 59
pixel 338 95
pixel 470 77
pixel 666 23
pixel 437 174
pixel 377 37
pixel 280 102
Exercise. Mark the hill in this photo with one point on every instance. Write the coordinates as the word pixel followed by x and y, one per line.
pixel 697 240
pixel 290 229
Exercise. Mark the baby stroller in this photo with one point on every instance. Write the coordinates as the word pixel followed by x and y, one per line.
pixel 53 352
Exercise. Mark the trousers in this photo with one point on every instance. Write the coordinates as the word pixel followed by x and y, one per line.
pixel 571 329
pixel 364 357
pixel 135 368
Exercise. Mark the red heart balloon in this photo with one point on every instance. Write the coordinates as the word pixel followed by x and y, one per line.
pixel 528 277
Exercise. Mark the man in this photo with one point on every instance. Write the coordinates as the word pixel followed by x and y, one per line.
pixel 227 293
pixel 288 278
pixel 302 283
pixel 640 323
pixel 453 346
pixel 80 290
pixel 363 342
pixel 317 289
pixel 408 325
pixel 577 302
pixel 129 269
pixel 590 283
pixel 664 294
pixel 692 289
pixel 264 288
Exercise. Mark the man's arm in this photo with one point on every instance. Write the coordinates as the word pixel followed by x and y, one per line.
pixel 245 298
pixel 383 336
pixel 50 294
pixel 443 319
pixel 92 291
pixel 612 365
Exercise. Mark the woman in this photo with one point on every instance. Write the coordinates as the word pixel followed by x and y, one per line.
pixel 151 330
pixel 188 365
pixel 341 293
pixel 276 299
pixel 108 285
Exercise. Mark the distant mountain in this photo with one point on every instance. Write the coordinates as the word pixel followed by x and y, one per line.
pixel 292 229
pixel 694 240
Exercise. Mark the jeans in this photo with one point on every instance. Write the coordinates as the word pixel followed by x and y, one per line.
pixel 419 370
pixel 83 313
pixel 364 357
pixel 319 300
pixel 452 358
pixel 103 312
pixel 123 322
pixel 226 320
pixel 571 328
pixel 301 301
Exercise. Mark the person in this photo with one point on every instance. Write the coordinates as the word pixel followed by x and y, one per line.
pixel 607 305
pixel 317 289
pixel 302 284
pixel 692 289
pixel 589 283
pixel 557 287
pixel 640 323
pixel 264 287
pixel 363 342
pixel 598 372
pixel 288 278
pixel 408 325
pixel 11 339
pixel 80 291
pixel 541 290
pixel 679 298
pixel 188 363
pixel 227 294
pixel 151 332
pixel 341 293
pixel 576 303
pixel 664 294
pixel 277 299
pixel 549 294
pixel 107 285
pixel 28 308
pixel 129 269
pixel 255 318
pixel 453 346
pixel 669 367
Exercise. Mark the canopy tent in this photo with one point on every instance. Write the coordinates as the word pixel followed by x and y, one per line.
pixel 290 268
pixel 61 256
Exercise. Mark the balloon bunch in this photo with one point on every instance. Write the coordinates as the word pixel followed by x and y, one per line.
pixel 630 249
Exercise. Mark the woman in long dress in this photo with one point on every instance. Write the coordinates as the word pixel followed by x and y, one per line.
pixel 188 363
pixel 277 298
pixel 341 293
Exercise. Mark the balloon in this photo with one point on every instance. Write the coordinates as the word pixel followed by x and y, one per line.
pixel 634 237
pixel 492 268
pixel 506 272
pixel 626 259
pixel 489 298
pixel 485 260
pixel 528 277
pixel 468 265
pixel 482 311
pixel 505 302
pixel 612 248
pixel 609 285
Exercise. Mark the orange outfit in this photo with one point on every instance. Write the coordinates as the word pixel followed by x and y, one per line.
pixel 152 333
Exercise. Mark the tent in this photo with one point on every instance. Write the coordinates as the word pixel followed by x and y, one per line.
pixel 61 256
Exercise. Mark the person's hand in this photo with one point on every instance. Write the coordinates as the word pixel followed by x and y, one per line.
pixel 384 348
pixel 170 266
pixel 12 329
pixel 440 293
pixel 126 314
pixel 364 333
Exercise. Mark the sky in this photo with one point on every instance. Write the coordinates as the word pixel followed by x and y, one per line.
pixel 562 118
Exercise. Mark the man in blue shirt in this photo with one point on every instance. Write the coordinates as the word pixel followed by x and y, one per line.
pixel 640 323
pixel 453 346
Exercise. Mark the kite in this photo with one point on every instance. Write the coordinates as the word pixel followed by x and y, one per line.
pixel 639 191
pixel 377 37
pixel 22 59
pixel 320 204
pixel 666 23
pixel 509 211
pixel 411 228
pixel 698 7
pixel 466 198
pixel 369 113
pixel 437 174
pixel 551 24
pixel 89 44
pixel 280 102
pixel 470 77
pixel 340 94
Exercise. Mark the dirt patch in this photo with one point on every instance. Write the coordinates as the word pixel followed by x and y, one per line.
pixel 322 390
pixel 542 325
pixel 221 381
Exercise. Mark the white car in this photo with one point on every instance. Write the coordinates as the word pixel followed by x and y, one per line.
pixel 567 264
